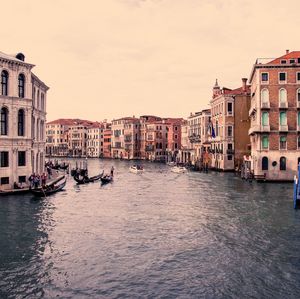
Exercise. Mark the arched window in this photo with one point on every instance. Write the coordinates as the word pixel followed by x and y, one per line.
pixel 265 118
pixel 265 163
pixel 4 83
pixel 282 163
pixel 282 96
pixel 265 95
pixel 21 122
pixel 4 121
pixel 21 86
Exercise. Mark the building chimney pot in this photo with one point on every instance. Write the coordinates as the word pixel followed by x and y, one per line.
pixel 287 51
pixel 244 86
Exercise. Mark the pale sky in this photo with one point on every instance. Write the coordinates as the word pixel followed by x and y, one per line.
pixel 113 58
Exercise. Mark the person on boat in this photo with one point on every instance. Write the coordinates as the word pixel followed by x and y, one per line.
pixel 112 171
pixel 30 179
pixel 43 178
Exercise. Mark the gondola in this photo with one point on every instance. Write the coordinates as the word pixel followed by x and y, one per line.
pixel 86 179
pixel 48 190
pixel 106 179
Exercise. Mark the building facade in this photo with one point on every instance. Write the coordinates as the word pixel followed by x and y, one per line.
pixel 230 124
pixel 275 117
pixel 22 121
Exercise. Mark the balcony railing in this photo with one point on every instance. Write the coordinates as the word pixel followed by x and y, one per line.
pixel 283 105
pixel 283 128
pixel 265 105
pixel 259 128
pixel 265 128
pixel 230 152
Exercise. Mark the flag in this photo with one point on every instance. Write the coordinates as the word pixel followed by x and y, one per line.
pixel 211 129
pixel 213 135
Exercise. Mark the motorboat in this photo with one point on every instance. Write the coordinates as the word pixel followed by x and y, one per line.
pixel 178 169
pixel 172 163
pixel 136 169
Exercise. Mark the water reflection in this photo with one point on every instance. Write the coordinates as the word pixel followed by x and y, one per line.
pixel 158 234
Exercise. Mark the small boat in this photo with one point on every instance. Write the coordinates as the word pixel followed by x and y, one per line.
pixel 86 179
pixel 178 169
pixel 48 189
pixel 106 179
pixel 136 169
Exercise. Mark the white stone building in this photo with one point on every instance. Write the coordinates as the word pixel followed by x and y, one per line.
pixel 95 139
pixel 22 121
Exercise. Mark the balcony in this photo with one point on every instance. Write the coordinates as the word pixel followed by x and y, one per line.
pixel 283 128
pixel 194 138
pixel 149 148
pixel 254 129
pixel 259 128
pixel 265 128
pixel 283 105
pixel 230 152
pixel 265 105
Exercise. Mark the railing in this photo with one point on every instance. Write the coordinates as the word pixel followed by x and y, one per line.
pixel 283 128
pixel 265 105
pixel 283 105
pixel 265 128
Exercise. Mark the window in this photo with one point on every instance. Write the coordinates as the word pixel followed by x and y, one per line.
pixel 264 77
pixel 229 108
pixel 282 118
pixel 298 118
pixel 298 95
pixel 283 61
pixel 4 83
pixel 21 119
pixel 265 118
pixel 298 76
pixel 282 163
pixel 229 131
pixel 4 121
pixel 265 142
pixel 298 60
pixel 282 77
pixel 21 86
pixel 282 143
pixel 4 180
pixel 4 159
pixel 265 163
pixel 265 95
pixel 22 179
pixel 229 157
pixel 282 95
pixel 292 60
pixel 22 158
pixel 298 142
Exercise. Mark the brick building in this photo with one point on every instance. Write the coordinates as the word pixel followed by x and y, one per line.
pixel 230 120
pixel 275 117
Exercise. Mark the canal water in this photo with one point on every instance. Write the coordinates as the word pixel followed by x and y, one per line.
pixel 154 235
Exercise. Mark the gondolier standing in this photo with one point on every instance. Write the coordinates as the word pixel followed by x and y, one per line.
pixel 112 171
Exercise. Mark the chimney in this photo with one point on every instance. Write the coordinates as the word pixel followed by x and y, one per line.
pixel 287 51
pixel 244 86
